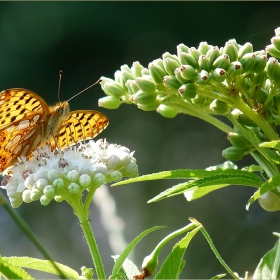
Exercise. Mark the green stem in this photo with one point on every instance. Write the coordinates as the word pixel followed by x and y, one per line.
pixel 83 215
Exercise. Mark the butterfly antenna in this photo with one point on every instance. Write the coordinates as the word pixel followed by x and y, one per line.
pixel 99 81
pixel 59 84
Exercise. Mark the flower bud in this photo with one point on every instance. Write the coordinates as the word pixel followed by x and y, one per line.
pixel 150 264
pixel 113 162
pixel 146 84
pixel 157 73
pixel 84 180
pixel 245 84
pixel 169 55
pixel 49 191
pixel 137 68
pixel 126 75
pixel 41 183
pixel 237 140
pixel 178 76
pixel 45 200
pixel 273 69
pixel 246 48
pixel 58 198
pixel 204 63
pixel 34 194
pixel 269 202
pixel 187 59
pixel 277 31
pixel 58 183
pixel 99 179
pixel 219 75
pixel 245 120
pixel 233 153
pixel 171 82
pixel 143 97
pixel 221 62
pixel 130 170
pixel 187 72
pixel 260 94
pixel 270 49
pixel 199 100
pixel 113 89
pixel 159 63
pixel 248 62
pixel 170 65
pixel 260 64
pixel 52 175
pixel 235 69
pixel 109 102
pixel 187 91
pixel 258 79
pixel 182 48
pixel 116 176
pixel 74 188
pixel 73 175
pixel 203 48
pixel 213 53
pixel 231 50
pixel 219 107
pixel 118 77
pixel 131 86
pixel 167 111
pixel 203 78
pixel 150 106
pixel 26 196
pixel 194 52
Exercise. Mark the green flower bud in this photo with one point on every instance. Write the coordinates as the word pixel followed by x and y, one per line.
pixel 246 48
pixel 219 107
pixel 238 141
pixel 235 69
pixel 73 175
pixel 58 198
pixel 84 180
pixel 204 63
pixel 157 73
pixel 99 179
pixel 159 62
pixel 178 76
pixel 245 84
pixel 137 68
pixel 41 183
pixel 219 75
pixel 233 153
pixel 145 71
pixel 118 77
pixel 49 191
pixel 187 72
pixel 116 176
pixel 258 79
pixel 171 82
pixel 203 78
pixel 143 97
pixel 146 84
pixel 167 111
pixel 132 86
pixel 277 31
pixel 194 52
pixel 113 89
pixel 126 75
pixel 58 183
pixel 231 50
pixel 44 200
pixel 269 202
pixel 32 195
pixel 170 65
pixel 74 188
pixel 199 100
pixel 169 55
pixel 213 53
pixel 273 69
pixel 203 47
pixel 233 41
pixel 187 91
pixel 245 120
pixel 248 62
pixel 109 102
pixel 182 48
pixel 260 64
pixel 260 94
pixel 272 51
pixel 221 62
pixel 150 264
pixel 52 175
pixel 187 59
pixel 149 107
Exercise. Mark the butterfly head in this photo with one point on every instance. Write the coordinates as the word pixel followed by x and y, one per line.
pixel 62 109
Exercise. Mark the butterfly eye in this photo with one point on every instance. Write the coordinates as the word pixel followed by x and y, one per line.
pixel 59 110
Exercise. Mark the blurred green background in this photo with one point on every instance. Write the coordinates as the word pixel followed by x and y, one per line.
pixel 92 39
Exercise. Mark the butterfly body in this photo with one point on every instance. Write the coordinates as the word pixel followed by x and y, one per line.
pixel 27 122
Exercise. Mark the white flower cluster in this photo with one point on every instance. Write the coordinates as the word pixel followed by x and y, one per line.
pixel 65 174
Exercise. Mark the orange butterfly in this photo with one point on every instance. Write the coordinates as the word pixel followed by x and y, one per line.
pixel 27 122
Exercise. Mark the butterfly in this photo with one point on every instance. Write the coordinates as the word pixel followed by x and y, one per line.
pixel 27 122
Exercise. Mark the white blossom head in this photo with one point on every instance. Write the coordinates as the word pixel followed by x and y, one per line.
pixel 65 175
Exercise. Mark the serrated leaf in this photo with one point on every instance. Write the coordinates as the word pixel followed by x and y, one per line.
pixel 43 265
pixel 123 256
pixel 275 144
pixel 171 267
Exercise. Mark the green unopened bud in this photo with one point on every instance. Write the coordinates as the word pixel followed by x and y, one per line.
pixel 258 79
pixel 245 120
pixel 260 64
pixel 237 140
pixel 231 50
pixel 170 65
pixel 187 91
pixel 109 102
pixel 132 86
pixel 137 68
pixel 118 77
pixel 167 111
pixel 199 100
pixel 157 73
pixel 219 75
pixel 245 84
pixel 145 71
pixel 219 107
pixel 182 48
pixel 74 188
pixel 194 52
pixel 204 63
pixel 171 82
pixel 221 62
pixel 150 264
pixel 203 78
pixel 126 75
pixel 213 53
pixel 277 31
pixel 235 69
pixel 233 41
pixel 178 76
pixel 187 72
pixel 246 48
pixel 203 47
pixel 169 55
pixel 248 62
pixel 272 51
pixel 143 98
pixel 269 202
pixel 113 89
pixel 146 84
pixel 260 94
pixel 187 59
pixel 49 191
pixel 233 153
pixel 149 107
pixel 273 69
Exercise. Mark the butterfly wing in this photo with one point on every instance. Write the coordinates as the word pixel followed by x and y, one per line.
pixel 22 114
pixel 79 125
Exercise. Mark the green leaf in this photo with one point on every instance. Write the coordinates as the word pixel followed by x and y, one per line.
pixel 10 270
pixel 171 267
pixel 121 259
pixel 219 276
pixel 127 271
pixel 275 144
pixel 219 179
pixel 268 267
pixel 42 265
